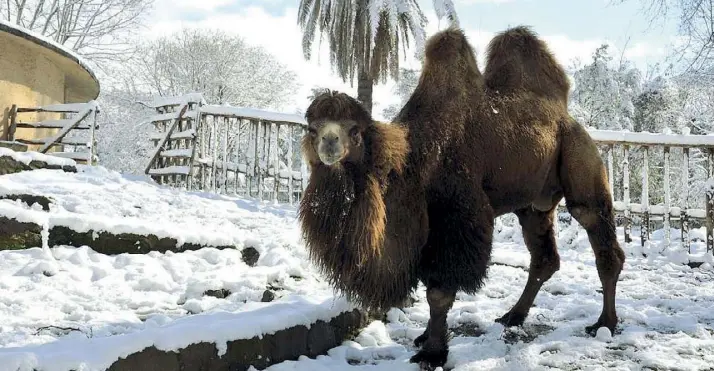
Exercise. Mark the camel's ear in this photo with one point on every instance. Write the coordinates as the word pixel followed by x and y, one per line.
pixel 389 148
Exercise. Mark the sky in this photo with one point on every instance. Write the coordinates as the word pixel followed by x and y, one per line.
pixel 572 28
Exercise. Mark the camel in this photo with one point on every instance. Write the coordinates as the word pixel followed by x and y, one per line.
pixel 389 205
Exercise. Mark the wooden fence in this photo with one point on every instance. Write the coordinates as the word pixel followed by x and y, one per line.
pixel 78 118
pixel 256 153
pixel 694 155
pixel 228 150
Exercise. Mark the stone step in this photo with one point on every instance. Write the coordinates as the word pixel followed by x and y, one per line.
pixel 19 236
pixel 15 146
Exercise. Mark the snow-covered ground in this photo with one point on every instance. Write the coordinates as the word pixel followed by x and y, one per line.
pixel 55 310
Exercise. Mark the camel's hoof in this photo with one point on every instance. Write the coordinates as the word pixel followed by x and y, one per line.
pixel 512 319
pixel 429 360
pixel 420 340
pixel 592 329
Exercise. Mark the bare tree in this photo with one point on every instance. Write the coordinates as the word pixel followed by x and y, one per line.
pixel 696 26
pixel 222 67
pixel 96 29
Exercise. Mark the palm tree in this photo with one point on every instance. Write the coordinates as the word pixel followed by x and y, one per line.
pixel 364 36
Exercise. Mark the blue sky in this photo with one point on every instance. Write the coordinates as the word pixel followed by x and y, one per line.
pixel 572 28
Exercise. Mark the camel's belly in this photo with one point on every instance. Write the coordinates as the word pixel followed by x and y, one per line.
pixel 526 177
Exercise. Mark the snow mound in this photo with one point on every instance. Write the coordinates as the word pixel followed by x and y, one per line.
pixel 27 157
pixel 75 352
pixel 96 199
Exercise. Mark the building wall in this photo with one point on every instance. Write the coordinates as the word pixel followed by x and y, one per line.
pixel 28 78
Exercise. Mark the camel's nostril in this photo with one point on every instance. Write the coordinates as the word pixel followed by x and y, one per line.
pixel 330 139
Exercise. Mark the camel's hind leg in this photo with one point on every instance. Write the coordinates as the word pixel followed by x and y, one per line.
pixel 540 239
pixel 585 186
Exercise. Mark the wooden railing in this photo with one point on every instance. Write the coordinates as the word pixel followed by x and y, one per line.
pixel 257 153
pixel 227 150
pixel 653 154
pixel 176 124
pixel 78 118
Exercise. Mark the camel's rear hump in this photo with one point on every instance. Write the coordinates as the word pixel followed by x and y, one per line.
pixel 517 59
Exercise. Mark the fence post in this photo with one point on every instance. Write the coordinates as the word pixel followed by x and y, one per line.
pixel 710 209
pixel 13 123
pixel 667 200
pixel 626 191
pixel 92 136
pixel 645 198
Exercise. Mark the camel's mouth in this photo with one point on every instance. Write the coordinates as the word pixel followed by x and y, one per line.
pixel 331 158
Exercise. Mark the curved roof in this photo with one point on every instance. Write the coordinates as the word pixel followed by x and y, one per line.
pixel 82 83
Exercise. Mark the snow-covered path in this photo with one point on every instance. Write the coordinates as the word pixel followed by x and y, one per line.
pixel 666 315
pixel 666 308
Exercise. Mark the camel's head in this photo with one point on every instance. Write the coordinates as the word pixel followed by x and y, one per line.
pixel 336 128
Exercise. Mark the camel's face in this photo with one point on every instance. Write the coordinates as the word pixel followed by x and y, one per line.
pixel 335 141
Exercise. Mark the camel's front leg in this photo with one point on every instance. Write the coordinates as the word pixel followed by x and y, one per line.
pixel 434 348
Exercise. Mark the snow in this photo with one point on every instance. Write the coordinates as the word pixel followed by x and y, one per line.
pixel 666 315
pixel 27 157
pixel 178 100
pixel 180 135
pixel 97 199
pixel 252 113
pixel 652 138
pixel 174 169
pixel 100 350
pixel 71 107
pixel 180 152
pixel 120 304
pixel 82 62
pixel 170 116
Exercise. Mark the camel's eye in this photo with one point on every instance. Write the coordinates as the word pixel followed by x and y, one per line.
pixel 312 131
pixel 355 136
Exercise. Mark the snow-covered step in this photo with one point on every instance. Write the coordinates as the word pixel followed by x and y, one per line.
pixel 171 170
pixel 186 134
pixel 54 124
pixel 171 115
pixel 180 152
pixel 261 335
pixel 77 156
pixel 42 141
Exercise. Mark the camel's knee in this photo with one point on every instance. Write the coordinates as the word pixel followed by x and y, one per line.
pixel 543 267
pixel 439 299
pixel 609 262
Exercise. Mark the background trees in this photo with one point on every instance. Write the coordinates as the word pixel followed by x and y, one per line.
pixel 100 30
pixel 222 67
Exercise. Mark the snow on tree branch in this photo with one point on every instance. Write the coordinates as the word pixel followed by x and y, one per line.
pixel 222 67
pixel 96 29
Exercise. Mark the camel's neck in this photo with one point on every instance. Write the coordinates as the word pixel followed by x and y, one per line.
pixel 343 212
pixel 343 217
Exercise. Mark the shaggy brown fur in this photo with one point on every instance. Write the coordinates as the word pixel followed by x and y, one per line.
pixel 343 211
pixel 478 147
pixel 518 62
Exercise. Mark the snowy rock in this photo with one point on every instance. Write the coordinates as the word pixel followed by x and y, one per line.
pixel 29 200
pixel 15 235
pixel 268 296
pixel 250 256
pixel 14 162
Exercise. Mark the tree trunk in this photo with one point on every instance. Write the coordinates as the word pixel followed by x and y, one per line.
pixel 364 90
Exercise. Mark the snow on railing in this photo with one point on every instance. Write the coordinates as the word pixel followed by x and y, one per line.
pixel 84 119
pixel 656 202
pixel 228 150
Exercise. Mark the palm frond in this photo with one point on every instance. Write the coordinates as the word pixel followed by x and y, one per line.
pixel 365 36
